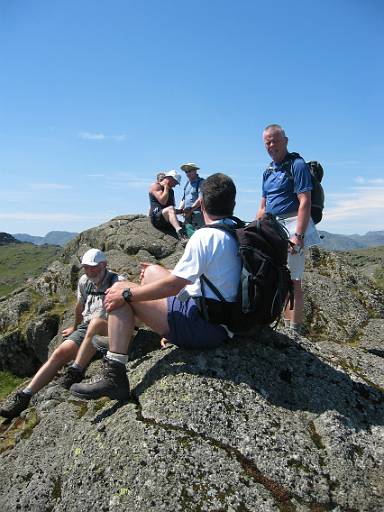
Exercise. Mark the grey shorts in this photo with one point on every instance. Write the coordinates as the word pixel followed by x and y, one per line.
pixel 78 335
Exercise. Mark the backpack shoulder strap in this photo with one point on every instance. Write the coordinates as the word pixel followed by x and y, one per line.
pixel 113 278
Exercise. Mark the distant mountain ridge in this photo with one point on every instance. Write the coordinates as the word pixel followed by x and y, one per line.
pixel 333 242
pixel 51 238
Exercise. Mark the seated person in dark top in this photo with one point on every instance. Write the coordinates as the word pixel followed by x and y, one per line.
pixel 162 204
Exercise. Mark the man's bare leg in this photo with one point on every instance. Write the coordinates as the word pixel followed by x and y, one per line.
pixel 87 350
pixel 64 353
pixel 170 216
pixel 296 315
pixel 121 323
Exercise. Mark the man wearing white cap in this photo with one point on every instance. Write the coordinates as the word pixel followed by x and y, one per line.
pixel 190 204
pixel 90 319
pixel 162 204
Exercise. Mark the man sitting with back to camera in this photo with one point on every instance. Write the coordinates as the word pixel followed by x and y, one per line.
pixel 162 204
pixel 168 301
pixel 90 319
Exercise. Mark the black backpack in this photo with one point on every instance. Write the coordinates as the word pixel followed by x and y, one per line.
pixel 317 173
pixel 265 281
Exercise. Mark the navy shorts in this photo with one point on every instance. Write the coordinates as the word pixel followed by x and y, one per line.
pixel 188 329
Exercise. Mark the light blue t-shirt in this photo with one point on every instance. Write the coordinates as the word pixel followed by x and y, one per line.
pixel 192 192
pixel 281 184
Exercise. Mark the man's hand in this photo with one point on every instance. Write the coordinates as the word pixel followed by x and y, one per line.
pixel 68 331
pixel 296 246
pixel 113 296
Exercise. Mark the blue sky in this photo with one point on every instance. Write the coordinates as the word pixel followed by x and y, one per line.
pixel 97 96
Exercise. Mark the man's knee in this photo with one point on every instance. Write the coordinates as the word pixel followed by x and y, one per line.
pixel 154 273
pixel 97 324
pixel 65 351
pixel 166 212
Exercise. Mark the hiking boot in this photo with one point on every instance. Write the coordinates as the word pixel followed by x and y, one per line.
pixel 113 382
pixel 71 376
pixel 20 402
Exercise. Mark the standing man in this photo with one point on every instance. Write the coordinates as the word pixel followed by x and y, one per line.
pixel 190 204
pixel 286 193
pixel 90 319
pixel 162 204
pixel 167 301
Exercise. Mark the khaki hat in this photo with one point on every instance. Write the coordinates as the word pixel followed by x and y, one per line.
pixel 173 174
pixel 93 257
pixel 189 167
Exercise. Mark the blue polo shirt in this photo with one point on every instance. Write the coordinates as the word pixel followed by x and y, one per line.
pixel 192 192
pixel 281 184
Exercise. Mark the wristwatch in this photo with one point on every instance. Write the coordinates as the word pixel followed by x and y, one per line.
pixel 127 294
pixel 300 236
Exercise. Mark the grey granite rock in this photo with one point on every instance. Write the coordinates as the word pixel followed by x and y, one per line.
pixel 280 422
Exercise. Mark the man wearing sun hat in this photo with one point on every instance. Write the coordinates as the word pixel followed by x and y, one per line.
pixel 90 319
pixel 162 204
pixel 190 204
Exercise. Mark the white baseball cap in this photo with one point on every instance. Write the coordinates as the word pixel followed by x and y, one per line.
pixel 173 174
pixel 93 257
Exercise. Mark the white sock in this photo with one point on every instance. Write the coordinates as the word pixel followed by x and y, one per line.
pixel 119 358
pixel 28 391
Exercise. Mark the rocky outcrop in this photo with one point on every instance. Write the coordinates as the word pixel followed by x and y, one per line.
pixel 271 423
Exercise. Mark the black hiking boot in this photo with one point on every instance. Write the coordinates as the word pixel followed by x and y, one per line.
pixel 20 402
pixel 71 376
pixel 113 382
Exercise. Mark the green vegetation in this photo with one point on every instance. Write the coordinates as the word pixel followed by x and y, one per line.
pixel 370 261
pixel 18 262
pixel 8 383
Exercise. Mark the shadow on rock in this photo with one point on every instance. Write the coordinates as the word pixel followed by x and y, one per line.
pixel 281 370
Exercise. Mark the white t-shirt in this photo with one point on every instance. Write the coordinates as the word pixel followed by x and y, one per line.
pixel 215 254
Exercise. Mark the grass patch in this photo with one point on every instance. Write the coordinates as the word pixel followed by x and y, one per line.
pixel 8 383
pixel 19 262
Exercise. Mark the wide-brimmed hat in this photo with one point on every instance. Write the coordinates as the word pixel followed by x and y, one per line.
pixel 173 174
pixel 93 257
pixel 190 166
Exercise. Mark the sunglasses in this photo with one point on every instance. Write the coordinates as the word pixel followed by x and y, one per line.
pixel 189 172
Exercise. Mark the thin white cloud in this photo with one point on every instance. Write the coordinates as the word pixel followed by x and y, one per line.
pixel 360 180
pixel 49 186
pixel 101 136
pixel 362 201
pixel 91 136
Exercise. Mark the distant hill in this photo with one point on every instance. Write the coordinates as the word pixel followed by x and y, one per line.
pixel 334 242
pixel 6 238
pixel 20 261
pixel 370 239
pixel 52 238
